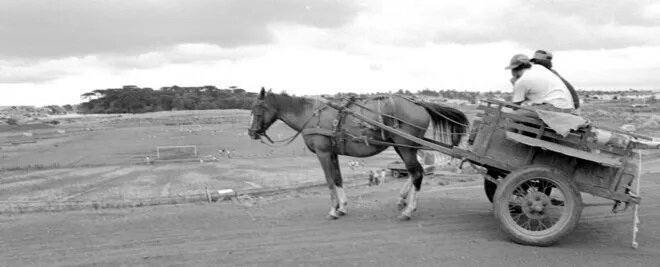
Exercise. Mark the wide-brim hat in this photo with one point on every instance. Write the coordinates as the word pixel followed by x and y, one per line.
pixel 517 60
pixel 542 55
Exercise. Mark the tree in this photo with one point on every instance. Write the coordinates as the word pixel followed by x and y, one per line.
pixel 132 99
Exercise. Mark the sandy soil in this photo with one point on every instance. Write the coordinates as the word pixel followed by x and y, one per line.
pixel 454 226
pixel 121 182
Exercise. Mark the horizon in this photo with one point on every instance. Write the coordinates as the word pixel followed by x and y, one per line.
pixel 657 90
pixel 318 46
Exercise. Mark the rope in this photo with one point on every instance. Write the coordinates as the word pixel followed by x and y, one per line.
pixel 636 208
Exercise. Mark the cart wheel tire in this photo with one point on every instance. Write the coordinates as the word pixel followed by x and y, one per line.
pixel 529 216
pixel 396 174
pixel 489 188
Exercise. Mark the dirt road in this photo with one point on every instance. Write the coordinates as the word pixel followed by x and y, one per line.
pixel 453 226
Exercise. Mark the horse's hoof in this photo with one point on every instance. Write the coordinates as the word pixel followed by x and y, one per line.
pixel 404 217
pixel 341 212
pixel 331 218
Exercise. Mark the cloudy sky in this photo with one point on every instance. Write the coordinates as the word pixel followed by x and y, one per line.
pixel 53 51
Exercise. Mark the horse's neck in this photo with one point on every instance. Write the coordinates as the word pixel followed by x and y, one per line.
pixel 296 120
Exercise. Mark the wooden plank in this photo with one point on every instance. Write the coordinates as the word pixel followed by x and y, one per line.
pixel 516 117
pixel 573 139
pixel 605 193
pixel 599 158
pixel 509 125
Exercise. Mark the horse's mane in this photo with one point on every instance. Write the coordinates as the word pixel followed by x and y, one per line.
pixel 286 103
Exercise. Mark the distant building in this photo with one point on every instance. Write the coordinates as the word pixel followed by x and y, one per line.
pixel 637 95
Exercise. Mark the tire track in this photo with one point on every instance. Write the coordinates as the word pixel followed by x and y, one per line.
pixel 99 185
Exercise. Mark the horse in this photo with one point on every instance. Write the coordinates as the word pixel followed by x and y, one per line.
pixel 327 132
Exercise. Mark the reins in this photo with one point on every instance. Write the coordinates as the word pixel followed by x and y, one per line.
pixel 289 140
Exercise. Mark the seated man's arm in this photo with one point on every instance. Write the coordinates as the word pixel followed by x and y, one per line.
pixel 520 90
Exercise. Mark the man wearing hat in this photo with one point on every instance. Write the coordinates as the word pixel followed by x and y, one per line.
pixel 538 87
pixel 544 58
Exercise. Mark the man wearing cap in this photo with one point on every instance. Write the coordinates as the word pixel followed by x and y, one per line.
pixel 544 58
pixel 538 87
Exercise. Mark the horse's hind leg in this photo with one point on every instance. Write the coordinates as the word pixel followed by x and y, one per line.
pixel 414 184
pixel 403 193
pixel 330 165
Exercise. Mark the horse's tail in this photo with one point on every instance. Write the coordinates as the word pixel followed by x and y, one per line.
pixel 449 124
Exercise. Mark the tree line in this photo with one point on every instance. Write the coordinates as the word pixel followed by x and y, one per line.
pixel 133 99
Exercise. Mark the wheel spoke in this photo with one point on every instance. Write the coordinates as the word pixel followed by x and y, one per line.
pixel 517 217
pixel 546 185
pixel 519 192
pixel 528 224
pixel 515 206
pixel 543 224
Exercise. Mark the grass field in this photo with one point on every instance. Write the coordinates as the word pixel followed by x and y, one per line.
pixel 105 156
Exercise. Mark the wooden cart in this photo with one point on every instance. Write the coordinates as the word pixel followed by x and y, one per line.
pixel 534 176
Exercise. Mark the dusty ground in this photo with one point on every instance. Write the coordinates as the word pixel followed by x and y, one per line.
pixel 453 226
pixel 107 162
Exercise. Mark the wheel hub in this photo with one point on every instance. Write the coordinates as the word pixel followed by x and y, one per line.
pixel 534 205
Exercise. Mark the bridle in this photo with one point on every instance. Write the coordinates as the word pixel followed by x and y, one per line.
pixel 259 129
pixel 258 112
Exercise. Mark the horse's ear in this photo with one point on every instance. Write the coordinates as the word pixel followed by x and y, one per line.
pixel 262 94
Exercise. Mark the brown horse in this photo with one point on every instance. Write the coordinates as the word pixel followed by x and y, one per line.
pixel 329 132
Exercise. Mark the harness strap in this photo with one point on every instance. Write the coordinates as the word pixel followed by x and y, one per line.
pixel 388 116
pixel 380 119
pixel 395 121
pixel 315 113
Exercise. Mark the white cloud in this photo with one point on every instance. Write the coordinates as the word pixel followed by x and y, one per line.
pixel 386 46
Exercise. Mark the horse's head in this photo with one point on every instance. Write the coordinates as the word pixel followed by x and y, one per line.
pixel 262 117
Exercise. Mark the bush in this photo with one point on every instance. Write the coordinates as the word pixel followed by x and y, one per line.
pixel 12 121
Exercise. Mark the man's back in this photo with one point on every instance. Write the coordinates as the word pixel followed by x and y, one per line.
pixel 539 85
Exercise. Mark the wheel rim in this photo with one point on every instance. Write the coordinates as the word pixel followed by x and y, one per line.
pixel 539 207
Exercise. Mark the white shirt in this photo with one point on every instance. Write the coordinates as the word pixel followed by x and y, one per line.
pixel 539 85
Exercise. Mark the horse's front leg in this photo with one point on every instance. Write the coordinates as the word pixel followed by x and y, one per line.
pixel 338 200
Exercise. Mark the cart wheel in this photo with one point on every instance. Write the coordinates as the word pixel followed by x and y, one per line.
pixel 396 174
pixel 537 205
